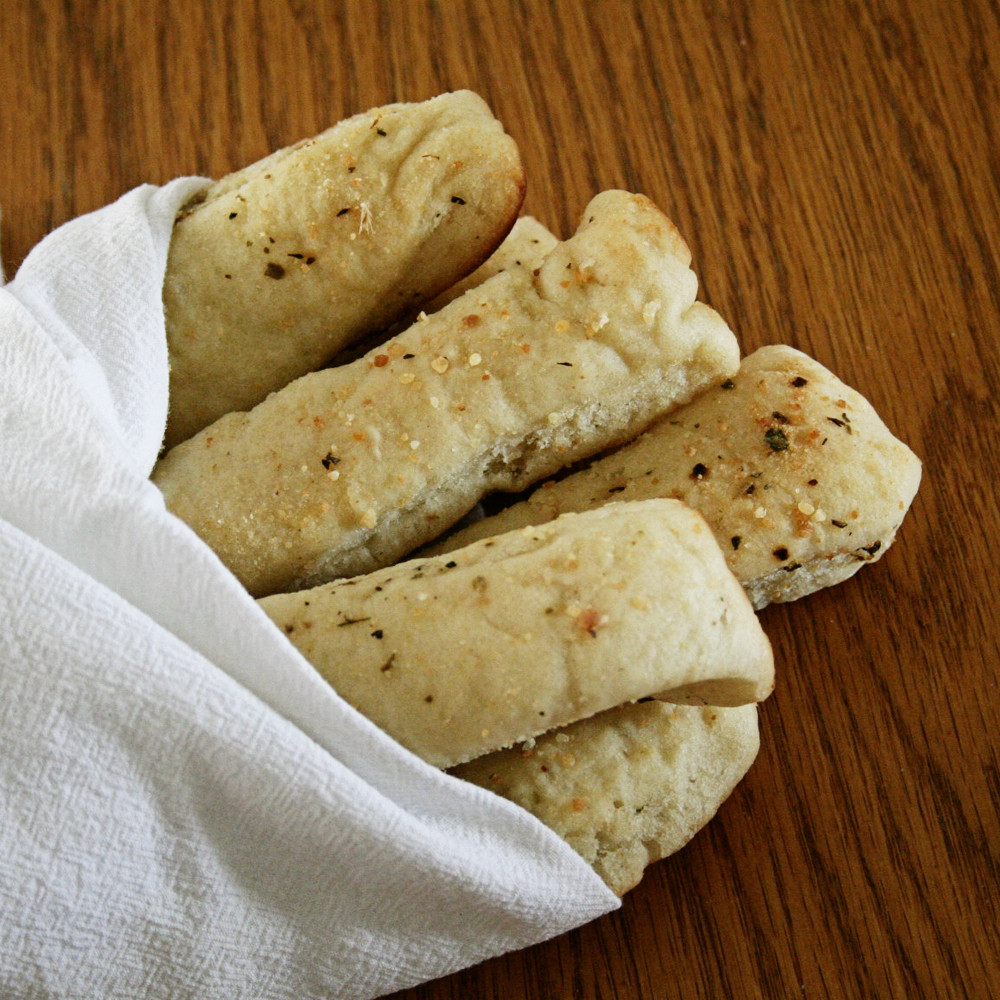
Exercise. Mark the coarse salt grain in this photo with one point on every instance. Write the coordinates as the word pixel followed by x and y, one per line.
pixel 760 512
pixel 407 377
pixel 475 359
pixel 440 364
pixel 806 508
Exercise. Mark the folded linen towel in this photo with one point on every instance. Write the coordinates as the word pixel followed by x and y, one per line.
pixel 186 809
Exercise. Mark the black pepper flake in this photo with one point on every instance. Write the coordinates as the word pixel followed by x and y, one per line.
pixel 616 489
pixel 838 524
pixel 406 357
pixel 728 384
pixel 388 663
pixel 799 381
pixel 329 460
pixel 699 472
pixel 792 566
pixel 451 564
pixel 752 488
pixel 873 548
pixel 780 417
pixel 568 364
pixel 343 211
pixel 834 420
pixel 813 482
pixel 381 131
pixel 297 256
pixel 275 271
pixel 776 439
pixel 232 215
pixel 735 542
pixel 429 698
pixel 377 634
pixel 456 200
pixel 353 621
pixel 780 553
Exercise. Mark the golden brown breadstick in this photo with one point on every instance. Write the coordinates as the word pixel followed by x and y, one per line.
pixel 350 468
pixel 280 265
pixel 797 475
pixel 500 641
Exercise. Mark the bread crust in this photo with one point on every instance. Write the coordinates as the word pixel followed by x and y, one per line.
pixel 279 266
pixel 462 654
pixel 798 476
pixel 351 468
pixel 629 786
pixel 524 248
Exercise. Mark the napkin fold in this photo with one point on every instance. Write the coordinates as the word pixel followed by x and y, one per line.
pixel 186 808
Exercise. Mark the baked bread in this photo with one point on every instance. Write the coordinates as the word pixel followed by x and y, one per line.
pixel 629 786
pixel 280 265
pixel 798 477
pixel 500 641
pixel 349 469
pixel 524 248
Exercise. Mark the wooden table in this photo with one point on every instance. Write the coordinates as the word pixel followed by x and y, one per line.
pixel 835 167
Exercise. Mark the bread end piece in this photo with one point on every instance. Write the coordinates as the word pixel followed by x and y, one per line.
pixel 280 265
pixel 629 786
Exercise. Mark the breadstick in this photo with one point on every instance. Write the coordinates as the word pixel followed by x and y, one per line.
pixel 280 265
pixel 795 472
pixel 349 469
pixel 525 247
pixel 500 641
pixel 629 786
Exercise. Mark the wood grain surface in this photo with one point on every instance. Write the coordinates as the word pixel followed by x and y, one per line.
pixel 835 167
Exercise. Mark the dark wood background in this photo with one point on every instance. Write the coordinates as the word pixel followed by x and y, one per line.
pixel 835 168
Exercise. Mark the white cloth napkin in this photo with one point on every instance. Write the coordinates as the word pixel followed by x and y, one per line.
pixel 186 809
